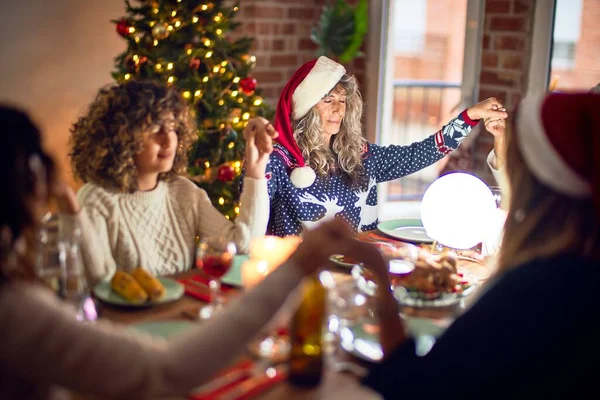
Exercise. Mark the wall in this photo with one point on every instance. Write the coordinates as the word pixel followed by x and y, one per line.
pixel 282 30
pixel 55 55
pixel 504 63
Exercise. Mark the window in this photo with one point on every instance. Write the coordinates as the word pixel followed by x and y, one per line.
pixel 409 26
pixel 575 64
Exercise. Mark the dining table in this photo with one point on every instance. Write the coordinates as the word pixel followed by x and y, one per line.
pixel 335 385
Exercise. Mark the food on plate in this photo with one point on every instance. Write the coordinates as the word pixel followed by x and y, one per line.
pixel 149 283
pixel 349 260
pixel 433 275
pixel 128 287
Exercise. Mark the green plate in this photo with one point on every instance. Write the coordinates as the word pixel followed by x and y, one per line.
pixel 409 230
pixel 234 276
pixel 163 329
pixel 173 291
pixel 356 341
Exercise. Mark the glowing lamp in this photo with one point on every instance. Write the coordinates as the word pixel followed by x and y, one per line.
pixel 457 210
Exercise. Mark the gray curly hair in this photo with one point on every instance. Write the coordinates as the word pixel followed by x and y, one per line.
pixel 344 153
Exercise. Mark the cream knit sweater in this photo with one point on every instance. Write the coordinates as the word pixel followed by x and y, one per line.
pixel 157 229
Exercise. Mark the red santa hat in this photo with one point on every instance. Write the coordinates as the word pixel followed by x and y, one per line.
pixel 309 84
pixel 559 137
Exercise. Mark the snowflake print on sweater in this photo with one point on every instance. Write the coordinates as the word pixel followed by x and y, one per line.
pixel 293 209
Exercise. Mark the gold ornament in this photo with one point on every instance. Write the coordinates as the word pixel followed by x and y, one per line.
pixel 160 31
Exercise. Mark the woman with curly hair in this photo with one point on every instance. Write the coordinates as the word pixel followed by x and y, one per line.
pixel 322 166
pixel 46 350
pixel 137 209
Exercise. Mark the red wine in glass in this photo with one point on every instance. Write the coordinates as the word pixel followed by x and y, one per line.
pixel 215 257
pixel 216 266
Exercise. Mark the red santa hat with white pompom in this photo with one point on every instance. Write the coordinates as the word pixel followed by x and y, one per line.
pixel 309 84
pixel 559 137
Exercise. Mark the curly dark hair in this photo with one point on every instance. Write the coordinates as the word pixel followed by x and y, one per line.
pixel 105 140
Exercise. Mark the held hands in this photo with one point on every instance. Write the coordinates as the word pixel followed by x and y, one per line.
pixel 259 135
pixel 490 109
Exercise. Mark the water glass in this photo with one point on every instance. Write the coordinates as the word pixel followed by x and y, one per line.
pixel 74 285
pixel 48 256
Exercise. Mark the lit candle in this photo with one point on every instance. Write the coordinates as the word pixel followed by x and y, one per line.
pixel 273 250
pixel 254 271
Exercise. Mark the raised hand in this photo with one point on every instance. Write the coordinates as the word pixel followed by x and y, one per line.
pixel 488 109
pixel 318 244
pixel 259 135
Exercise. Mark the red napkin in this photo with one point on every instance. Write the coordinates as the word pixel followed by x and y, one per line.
pixel 243 366
pixel 197 286
pixel 265 385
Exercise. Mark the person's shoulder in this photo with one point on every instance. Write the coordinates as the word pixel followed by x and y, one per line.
pixel 179 186
pixel 551 275
pixel 92 196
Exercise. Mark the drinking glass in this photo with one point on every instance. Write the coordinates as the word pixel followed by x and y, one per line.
pixel 215 257
pixel 48 257
pixel 497 195
pixel 74 287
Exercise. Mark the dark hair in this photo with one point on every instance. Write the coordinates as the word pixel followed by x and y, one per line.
pixel 20 140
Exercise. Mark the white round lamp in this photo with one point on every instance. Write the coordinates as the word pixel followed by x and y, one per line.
pixel 457 209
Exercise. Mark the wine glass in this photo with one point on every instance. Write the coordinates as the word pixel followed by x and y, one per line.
pixel 215 257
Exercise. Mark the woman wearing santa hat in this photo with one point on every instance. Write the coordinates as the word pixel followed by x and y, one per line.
pixel 529 332
pixel 323 167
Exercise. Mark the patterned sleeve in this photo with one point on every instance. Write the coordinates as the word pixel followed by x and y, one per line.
pixel 395 161
pixel 274 173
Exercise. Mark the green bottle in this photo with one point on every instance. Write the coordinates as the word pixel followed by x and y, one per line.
pixel 306 335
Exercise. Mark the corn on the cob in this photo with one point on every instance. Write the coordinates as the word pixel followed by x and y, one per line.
pixel 149 283
pixel 125 285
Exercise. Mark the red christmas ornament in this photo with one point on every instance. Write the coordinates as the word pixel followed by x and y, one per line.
pixel 248 85
pixel 123 27
pixel 225 173
pixel 194 63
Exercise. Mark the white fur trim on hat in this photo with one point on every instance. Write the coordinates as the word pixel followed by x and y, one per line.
pixel 323 77
pixel 303 177
pixel 541 157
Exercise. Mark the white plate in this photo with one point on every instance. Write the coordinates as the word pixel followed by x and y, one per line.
pixel 410 230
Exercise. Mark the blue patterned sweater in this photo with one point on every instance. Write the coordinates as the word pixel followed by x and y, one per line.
pixel 292 208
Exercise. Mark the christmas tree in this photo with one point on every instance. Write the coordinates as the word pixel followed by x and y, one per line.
pixel 185 43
